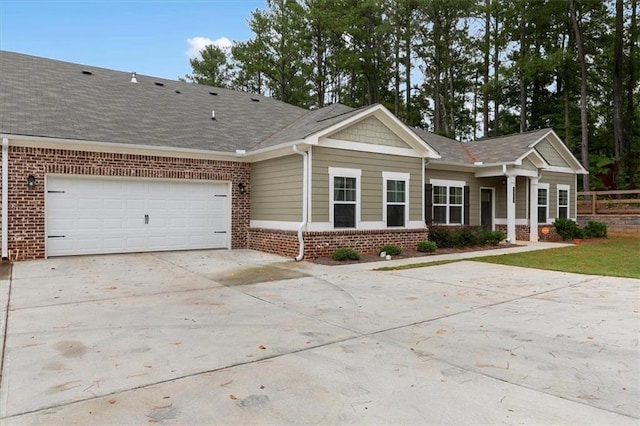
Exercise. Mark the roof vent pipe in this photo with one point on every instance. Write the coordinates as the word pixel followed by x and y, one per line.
pixel 133 77
pixel 213 114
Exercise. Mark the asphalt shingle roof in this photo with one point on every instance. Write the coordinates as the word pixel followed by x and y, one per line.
pixel 50 98
pixel 44 97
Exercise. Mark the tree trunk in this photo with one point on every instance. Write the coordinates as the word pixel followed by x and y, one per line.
pixel 584 146
pixel 523 83
pixel 496 72
pixel 632 77
pixel 618 142
pixel 396 52
pixel 486 66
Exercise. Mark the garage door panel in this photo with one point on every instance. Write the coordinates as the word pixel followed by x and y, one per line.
pixel 103 215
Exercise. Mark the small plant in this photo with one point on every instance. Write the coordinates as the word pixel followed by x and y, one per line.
pixel 427 246
pixel 441 236
pixel 595 229
pixel 345 253
pixel 491 237
pixel 390 249
pixel 565 227
pixel 465 237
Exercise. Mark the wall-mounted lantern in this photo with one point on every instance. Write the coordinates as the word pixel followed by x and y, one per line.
pixel 31 181
pixel 242 188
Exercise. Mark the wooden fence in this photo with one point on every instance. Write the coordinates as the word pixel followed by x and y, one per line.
pixel 609 202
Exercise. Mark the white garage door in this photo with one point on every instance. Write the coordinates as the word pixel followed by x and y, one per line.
pixel 91 215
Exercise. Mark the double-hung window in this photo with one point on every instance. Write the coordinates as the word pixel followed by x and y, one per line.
pixel 543 203
pixel 563 201
pixel 345 197
pixel 448 202
pixel 396 198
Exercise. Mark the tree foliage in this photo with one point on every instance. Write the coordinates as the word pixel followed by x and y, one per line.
pixel 465 69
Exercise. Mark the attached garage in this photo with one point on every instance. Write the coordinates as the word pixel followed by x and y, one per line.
pixel 96 215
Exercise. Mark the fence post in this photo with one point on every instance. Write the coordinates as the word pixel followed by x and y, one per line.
pixel 594 199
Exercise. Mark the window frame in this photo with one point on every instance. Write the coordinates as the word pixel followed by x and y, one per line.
pixel 448 184
pixel 562 187
pixel 401 177
pixel 543 187
pixel 340 172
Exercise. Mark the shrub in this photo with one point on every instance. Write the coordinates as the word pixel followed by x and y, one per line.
pixel 565 227
pixel 441 236
pixel 392 250
pixel 491 237
pixel 595 229
pixel 578 233
pixel 345 253
pixel 465 237
pixel 427 246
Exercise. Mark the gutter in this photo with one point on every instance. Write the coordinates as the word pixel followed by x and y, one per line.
pixel 5 198
pixel 305 201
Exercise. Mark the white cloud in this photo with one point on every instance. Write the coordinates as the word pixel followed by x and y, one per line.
pixel 196 44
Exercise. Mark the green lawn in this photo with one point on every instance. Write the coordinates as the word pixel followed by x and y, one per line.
pixel 614 256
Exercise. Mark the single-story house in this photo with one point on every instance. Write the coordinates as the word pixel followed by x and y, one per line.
pixel 102 161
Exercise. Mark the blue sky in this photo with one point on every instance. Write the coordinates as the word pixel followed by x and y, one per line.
pixel 152 37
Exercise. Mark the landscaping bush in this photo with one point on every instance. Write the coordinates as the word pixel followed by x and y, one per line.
pixel 441 236
pixel 579 233
pixel 595 229
pixel 467 236
pixel 392 250
pixel 345 253
pixel 566 228
pixel 427 246
pixel 491 237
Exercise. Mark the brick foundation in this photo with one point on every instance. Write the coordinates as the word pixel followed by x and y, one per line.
pixel 26 207
pixel 522 233
pixel 321 244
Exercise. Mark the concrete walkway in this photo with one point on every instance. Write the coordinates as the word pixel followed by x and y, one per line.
pixel 241 337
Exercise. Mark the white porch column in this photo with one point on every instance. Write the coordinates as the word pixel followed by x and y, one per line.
pixel 533 214
pixel 5 198
pixel 511 208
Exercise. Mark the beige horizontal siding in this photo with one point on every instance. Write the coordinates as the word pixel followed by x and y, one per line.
pixel 370 130
pixel 554 179
pixel 372 165
pixel 550 154
pixel 276 189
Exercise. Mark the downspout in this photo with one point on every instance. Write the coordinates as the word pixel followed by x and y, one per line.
pixel 305 201
pixel 5 198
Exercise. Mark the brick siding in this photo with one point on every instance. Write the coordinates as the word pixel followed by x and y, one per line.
pixel 321 244
pixel 26 207
pixel 522 233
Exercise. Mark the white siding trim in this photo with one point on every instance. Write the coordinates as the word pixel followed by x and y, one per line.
pixel 274 224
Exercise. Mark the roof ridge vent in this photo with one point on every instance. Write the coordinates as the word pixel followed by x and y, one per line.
pixel 133 77
pixel 87 72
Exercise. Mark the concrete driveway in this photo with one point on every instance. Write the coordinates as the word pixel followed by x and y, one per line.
pixel 242 337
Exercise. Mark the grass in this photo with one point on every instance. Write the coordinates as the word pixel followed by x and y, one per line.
pixel 614 256
pixel 416 265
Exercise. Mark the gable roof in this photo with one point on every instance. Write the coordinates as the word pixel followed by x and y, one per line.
pixel 49 98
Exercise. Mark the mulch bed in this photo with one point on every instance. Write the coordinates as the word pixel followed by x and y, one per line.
pixel 364 258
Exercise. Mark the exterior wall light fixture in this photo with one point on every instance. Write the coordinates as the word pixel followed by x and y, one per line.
pixel 242 188
pixel 31 181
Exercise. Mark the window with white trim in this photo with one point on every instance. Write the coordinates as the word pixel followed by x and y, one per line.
pixel 396 198
pixel 344 188
pixel 563 201
pixel 543 203
pixel 448 202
